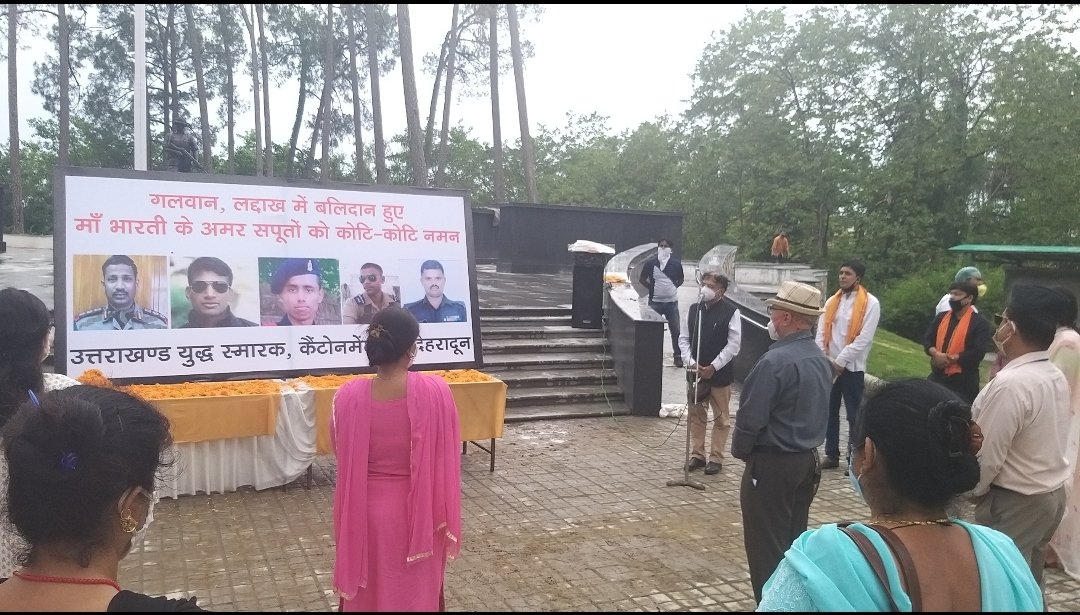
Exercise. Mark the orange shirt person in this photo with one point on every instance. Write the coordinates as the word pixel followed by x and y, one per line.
pixel 781 249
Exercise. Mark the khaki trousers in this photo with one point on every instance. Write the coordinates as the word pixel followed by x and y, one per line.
pixel 1030 520
pixel 719 399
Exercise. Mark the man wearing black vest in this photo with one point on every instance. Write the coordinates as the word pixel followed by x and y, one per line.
pixel 720 335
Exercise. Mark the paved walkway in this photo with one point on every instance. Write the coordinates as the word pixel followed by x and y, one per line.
pixel 576 516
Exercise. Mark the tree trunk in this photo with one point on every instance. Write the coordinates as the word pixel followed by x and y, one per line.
pixel 172 72
pixel 268 159
pixel 360 170
pixel 195 40
pixel 417 166
pixel 496 122
pixel 429 132
pixel 230 102
pixel 444 134
pixel 13 121
pixel 294 138
pixel 309 164
pixel 249 21
pixel 64 153
pixel 376 104
pixel 528 159
pixel 328 80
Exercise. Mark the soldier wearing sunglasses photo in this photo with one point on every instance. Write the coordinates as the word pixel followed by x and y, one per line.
pixel 209 289
pixel 360 309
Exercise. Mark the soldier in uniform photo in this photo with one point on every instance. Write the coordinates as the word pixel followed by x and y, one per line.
pixel 436 307
pixel 298 286
pixel 210 291
pixel 120 279
pixel 358 310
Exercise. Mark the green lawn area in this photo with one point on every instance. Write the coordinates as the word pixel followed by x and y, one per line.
pixel 893 357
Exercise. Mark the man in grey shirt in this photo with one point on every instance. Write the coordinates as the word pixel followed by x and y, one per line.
pixel 783 413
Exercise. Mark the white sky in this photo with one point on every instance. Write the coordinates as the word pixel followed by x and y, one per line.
pixel 631 63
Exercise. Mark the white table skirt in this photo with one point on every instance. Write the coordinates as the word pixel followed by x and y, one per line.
pixel 222 466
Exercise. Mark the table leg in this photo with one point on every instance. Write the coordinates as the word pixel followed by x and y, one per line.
pixel 492 455
pixel 464 447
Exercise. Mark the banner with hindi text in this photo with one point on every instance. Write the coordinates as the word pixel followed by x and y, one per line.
pixel 168 277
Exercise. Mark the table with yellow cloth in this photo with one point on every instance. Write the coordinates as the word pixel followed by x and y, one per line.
pixel 223 442
pixel 481 410
pixel 226 442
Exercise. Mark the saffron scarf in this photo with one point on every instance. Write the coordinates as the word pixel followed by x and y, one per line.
pixel 956 342
pixel 858 312
pixel 434 475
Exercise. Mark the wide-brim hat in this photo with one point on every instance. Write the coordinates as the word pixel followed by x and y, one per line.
pixel 797 297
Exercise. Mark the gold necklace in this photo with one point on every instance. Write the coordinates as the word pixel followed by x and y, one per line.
pixel 899 523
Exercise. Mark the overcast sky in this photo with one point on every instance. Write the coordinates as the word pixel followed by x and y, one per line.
pixel 631 63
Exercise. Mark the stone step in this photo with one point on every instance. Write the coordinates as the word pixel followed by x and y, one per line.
pixel 546 360
pixel 508 319
pixel 517 330
pixel 563 395
pixel 524 311
pixel 519 414
pixel 554 377
pixel 545 345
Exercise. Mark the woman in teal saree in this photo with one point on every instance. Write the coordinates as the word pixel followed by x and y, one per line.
pixel 914 452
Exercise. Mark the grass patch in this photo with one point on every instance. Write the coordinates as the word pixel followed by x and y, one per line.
pixel 893 357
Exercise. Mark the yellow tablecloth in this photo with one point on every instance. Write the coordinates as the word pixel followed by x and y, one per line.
pixel 198 419
pixel 481 409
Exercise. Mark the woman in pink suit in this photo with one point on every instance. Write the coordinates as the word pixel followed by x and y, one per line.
pixel 397 502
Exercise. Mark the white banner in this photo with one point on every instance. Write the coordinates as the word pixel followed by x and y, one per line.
pixel 167 278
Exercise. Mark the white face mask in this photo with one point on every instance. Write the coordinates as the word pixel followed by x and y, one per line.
pixel 773 333
pixel 707 294
pixel 663 253
pixel 1001 343
pixel 139 535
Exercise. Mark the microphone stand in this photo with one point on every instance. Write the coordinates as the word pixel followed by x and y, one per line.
pixel 691 392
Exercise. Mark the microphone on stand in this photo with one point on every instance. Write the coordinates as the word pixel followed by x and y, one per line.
pixel 691 393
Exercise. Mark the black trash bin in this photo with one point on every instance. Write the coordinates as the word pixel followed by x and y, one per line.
pixel 587 307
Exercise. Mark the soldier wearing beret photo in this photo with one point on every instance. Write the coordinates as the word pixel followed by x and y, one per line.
pixel 299 288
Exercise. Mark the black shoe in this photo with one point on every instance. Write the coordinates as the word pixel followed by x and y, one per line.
pixel 830 463
pixel 694 464
pixel 678 362
pixel 713 467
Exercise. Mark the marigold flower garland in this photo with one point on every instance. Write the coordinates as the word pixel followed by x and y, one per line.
pixel 256 387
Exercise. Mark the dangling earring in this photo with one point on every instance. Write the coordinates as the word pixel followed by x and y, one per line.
pixel 127 522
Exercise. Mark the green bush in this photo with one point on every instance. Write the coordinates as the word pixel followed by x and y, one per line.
pixel 907 307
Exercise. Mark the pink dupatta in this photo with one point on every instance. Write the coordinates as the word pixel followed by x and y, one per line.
pixel 435 475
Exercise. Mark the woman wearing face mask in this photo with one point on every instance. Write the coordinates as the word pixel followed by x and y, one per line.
pixel 82 464
pixel 397 501
pixel 915 451
pixel 25 340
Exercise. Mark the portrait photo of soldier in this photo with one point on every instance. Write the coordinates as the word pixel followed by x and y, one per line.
pixel 206 294
pixel 377 294
pixel 128 302
pixel 435 305
pixel 302 291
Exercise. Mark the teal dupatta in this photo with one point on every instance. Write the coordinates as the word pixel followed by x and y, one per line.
pixel 825 571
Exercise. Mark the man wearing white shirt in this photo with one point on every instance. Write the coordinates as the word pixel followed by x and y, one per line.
pixel 845 333
pixel 711 359
pixel 1025 417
